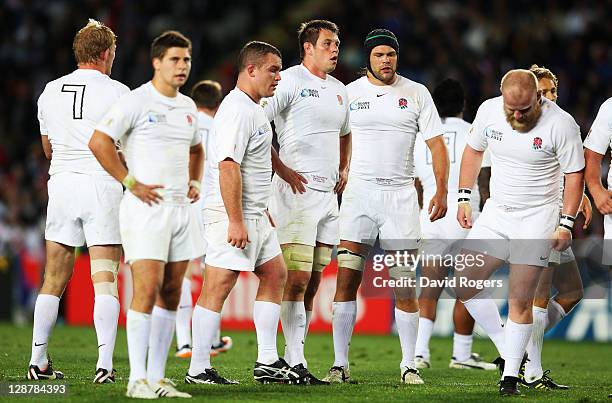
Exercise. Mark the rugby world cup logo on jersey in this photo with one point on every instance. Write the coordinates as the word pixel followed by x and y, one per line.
pixel 537 143
pixel 402 103
pixel 307 92
pixel 493 134
pixel 153 117
pixel 263 129
pixel 356 105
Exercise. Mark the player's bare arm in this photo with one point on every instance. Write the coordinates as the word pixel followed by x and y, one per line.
pixel 470 168
pixel 46 145
pixel 103 148
pixel 439 155
pixel 196 163
pixel 592 175
pixel 293 178
pixel 230 183
pixel 345 162
pixel 572 197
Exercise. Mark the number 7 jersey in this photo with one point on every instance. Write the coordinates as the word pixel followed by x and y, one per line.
pixel 68 110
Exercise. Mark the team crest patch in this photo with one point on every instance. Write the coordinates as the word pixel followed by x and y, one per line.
pixel 189 120
pixel 402 103
pixel 339 100
pixel 537 143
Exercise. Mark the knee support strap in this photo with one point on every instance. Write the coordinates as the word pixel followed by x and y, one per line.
pixel 298 257
pixel 322 257
pixel 350 260
pixel 105 287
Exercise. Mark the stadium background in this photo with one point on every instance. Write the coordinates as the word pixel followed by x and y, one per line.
pixel 473 41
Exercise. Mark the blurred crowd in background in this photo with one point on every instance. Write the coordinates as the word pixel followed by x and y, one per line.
pixel 474 41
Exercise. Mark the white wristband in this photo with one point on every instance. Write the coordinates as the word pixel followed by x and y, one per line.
pixel 196 184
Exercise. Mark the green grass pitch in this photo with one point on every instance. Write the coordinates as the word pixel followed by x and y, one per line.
pixel 587 367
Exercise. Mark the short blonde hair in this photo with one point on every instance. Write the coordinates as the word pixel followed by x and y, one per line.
pixel 543 72
pixel 91 40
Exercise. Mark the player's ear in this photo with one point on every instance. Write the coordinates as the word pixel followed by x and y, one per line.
pixel 105 55
pixel 251 70
pixel 156 62
pixel 308 48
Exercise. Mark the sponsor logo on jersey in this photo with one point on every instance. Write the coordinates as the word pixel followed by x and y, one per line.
pixel 156 117
pixel 493 134
pixel 340 102
pixel 402 103
pixel 307 92
pixel 355 105
pixel 263 129
pixel 537 143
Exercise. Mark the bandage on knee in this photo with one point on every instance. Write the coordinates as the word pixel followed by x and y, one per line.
pixel 105 287
pixel 350 260
pixel 399 272
pixel 322 257
pixel 298 257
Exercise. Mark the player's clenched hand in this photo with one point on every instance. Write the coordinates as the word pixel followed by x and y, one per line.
pixel 561 239
pixel 293 178
pixel 194 193
pixel 464 215
pixel 603 201
pixel 342 180
pixel 146 193
pixel 437 206
pixel 587 210
pixel 237 234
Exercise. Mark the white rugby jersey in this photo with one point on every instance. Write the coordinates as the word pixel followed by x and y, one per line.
pixel 526 168
pixel 600 135
pixel 156 132
pixel 68 110
pixel 384 123
pixel 310 114
pixel 455 131
pixel 243 133
pixel 205 125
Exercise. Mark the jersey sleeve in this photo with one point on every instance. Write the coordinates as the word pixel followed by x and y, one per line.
pixel 429 122
pixel 486 159
pixel 476 137
pixel 232 134
pixel 568 146
pixel 600 135
pixel 346 127
pixel 283 96
pixel 121 118
pixel 41 119
pixel 197 135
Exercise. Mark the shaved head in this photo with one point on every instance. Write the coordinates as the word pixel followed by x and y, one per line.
pixel 519 90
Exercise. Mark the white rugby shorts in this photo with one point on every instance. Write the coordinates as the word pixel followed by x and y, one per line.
pixel 369 211
pixel 263 245
pixel 164 231
pixel 83 209
pixel 304 218
pixel 516 235
pixel 444 236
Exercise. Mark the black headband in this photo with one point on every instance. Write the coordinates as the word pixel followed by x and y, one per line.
pixel 376 38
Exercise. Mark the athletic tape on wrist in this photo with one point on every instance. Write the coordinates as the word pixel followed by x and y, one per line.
pixel 465 195
pixel 129 181
pixel 567 222
pixel 196 184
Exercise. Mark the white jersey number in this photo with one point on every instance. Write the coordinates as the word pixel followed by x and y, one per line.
pixel 77 98
pixel 450 139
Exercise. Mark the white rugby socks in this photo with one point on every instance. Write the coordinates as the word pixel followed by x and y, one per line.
pixel 407 328
pixel 308 319
pixel 266 316
pixel 344 315
pixel 138 329
pixel 45 315
pixel 183 315
pixel 105 316
pixel 517 337
pixel 293 319
pixel 162 327
pixel 423 337
pixel 556 313
pixel 462 346
pixel 533 367
pixel 485 313
pixel 205 325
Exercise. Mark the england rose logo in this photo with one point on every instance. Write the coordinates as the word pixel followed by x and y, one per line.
pixel 403 103
pixel 537 143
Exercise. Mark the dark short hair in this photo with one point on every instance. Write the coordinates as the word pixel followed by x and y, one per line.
pixel 309 32
pixel 167 40
pixel 449 98
pixel 207 94
pixel 254 52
